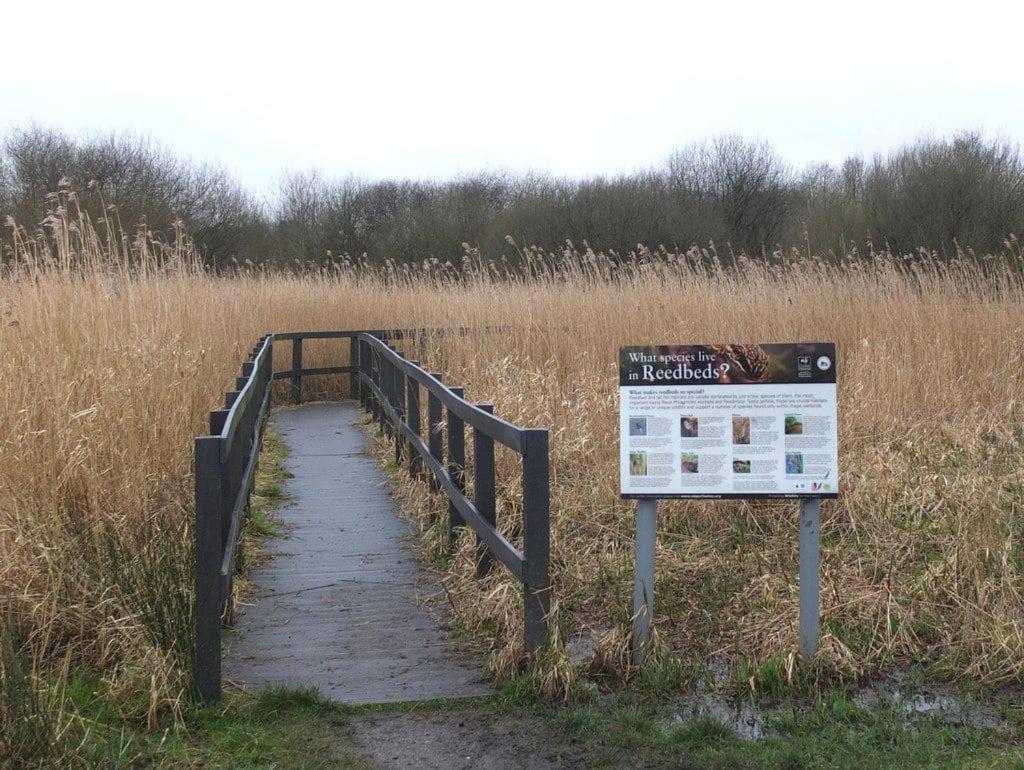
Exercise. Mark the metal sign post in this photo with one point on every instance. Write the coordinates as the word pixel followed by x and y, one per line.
pixel 810 579
pixel 643 583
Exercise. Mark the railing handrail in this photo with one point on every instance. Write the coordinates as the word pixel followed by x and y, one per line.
pixel 498 429
pixel 229 430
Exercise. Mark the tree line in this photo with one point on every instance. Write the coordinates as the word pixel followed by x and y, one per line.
pixel 962 192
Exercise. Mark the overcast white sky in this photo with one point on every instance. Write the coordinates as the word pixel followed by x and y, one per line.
pixel 431 89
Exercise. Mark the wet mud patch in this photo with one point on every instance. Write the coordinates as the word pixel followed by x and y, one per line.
pixel 462 737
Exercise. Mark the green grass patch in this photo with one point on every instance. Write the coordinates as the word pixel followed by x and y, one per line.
pixel 279 728
pixel 294 728
pixel 262 523
pixel 268 490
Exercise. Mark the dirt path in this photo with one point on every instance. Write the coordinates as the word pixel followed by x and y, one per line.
pixel 463 737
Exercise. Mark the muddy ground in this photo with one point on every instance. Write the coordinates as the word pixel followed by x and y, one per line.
pixel 462 737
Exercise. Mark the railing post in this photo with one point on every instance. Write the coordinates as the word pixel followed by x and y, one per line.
pixel 270 364
pixel 421 343
pixel 456 430
pixel 231 474
pixel 435 435
pixel 483 489
pixel 384 373
pixel 297 367
pixel 353 360
pixel 217 419
pixel 389 389
pixel 375 375
pixel 399 406
pixel 366 360
pixel 209 545
pixel 363 357
pixel 412 398
pixel 536 539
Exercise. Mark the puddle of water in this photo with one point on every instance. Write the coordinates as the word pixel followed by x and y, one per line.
pixel 748 719
pixel 741 717
pixel 940 705
pixel 580 650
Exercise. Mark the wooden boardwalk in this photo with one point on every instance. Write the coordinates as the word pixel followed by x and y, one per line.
pixel 336 604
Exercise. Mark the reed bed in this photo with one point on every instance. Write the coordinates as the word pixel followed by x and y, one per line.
pixel 114 348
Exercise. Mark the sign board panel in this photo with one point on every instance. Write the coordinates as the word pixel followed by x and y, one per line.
pixel 728 421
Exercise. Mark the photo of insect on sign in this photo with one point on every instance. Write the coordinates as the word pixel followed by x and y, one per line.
pixel 738 421
pixel 731 421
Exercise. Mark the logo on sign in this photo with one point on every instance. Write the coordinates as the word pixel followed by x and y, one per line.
pixel 803 366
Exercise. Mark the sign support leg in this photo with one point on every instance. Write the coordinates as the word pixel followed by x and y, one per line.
pixel 643 584
pixel 810 578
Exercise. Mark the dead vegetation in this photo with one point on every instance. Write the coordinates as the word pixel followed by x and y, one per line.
pixel 115 347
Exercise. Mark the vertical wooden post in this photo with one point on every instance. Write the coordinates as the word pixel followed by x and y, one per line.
pixel 435 435
pixel 382 385
pixel 456 464
pixel 483 490
pixel 412 398
pixel 297 367
pixel 209 544
pixel 353 360
pixel 364 357
pixel 399 390
pixel 389 388
pixel 217 419
pixel 231 473
pixel 372 371
pixel 270 365
pixel 536 539
pixel 421 344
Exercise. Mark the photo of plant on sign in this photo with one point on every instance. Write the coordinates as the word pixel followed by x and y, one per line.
pixel 740 429
pixel 691 463
pixel 638 463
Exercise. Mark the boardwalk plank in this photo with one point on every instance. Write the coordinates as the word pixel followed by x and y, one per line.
pixel 336 605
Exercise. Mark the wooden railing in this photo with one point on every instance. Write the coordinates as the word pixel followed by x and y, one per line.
pixel 390 386
pixel 225 469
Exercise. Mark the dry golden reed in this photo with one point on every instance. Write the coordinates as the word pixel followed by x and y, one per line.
pixel 114 349
pixel 922 554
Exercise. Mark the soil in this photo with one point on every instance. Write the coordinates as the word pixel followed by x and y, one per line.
pixel 462 738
